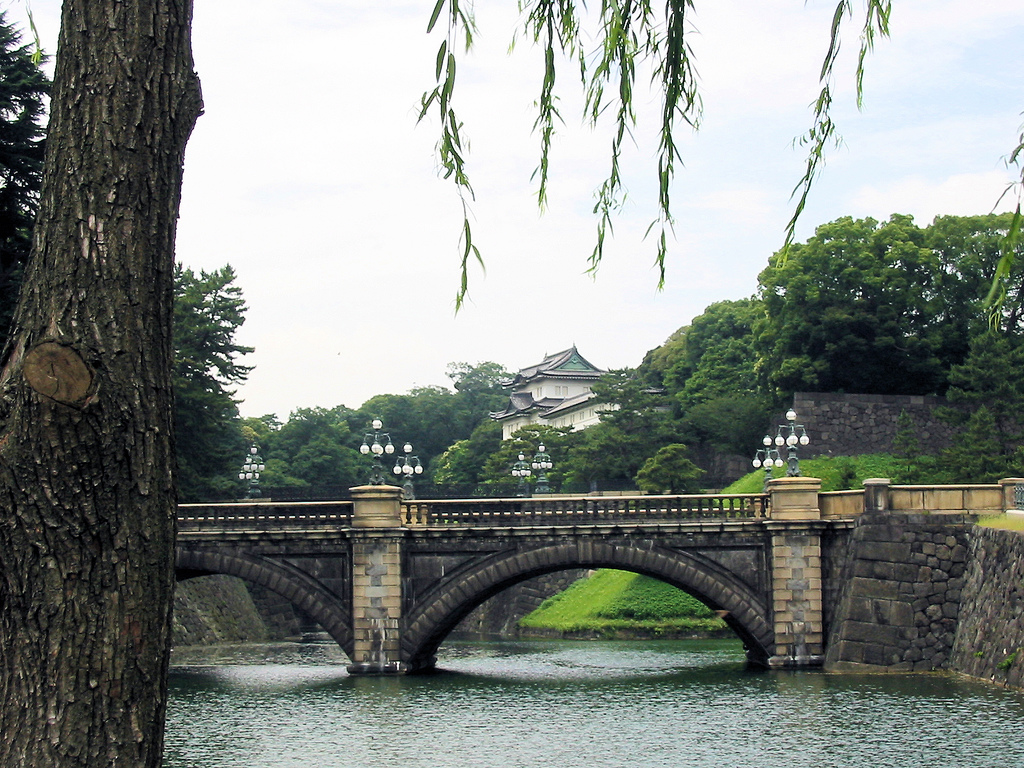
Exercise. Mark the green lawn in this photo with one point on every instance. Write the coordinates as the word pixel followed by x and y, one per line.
pixel 614 603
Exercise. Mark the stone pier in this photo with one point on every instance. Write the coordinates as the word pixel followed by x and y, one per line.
pixel 796 578
pixel 376 580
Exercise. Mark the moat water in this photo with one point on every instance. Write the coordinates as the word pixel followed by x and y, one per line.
pixel 566 704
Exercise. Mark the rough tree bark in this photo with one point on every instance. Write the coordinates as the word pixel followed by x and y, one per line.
pixel 86 452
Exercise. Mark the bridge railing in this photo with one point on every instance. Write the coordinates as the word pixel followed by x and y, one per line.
pixel 584 510
pixel 264 516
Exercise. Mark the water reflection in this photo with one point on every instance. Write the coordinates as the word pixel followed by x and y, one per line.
pixel 600 705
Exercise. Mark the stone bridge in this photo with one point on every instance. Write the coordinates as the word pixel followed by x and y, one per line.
pixel 388 579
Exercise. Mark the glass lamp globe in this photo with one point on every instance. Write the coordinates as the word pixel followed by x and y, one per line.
pixel 791 440
pixel 780 440
pixel 418 469
pixel 756 463
pixel 364 449
pixel 397 470
pixel 376 423
pixel 767 440
pixel 790 415
pixel 780 463
pixel 377 449
pixel 804 439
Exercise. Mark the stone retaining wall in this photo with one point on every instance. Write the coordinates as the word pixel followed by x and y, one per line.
pixel 499 616
pixel 900 599
pixel 990 640
pixel 215 609
pixel 850 425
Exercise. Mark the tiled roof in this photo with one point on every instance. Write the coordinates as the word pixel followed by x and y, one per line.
pixel 567 364
pixel 569 404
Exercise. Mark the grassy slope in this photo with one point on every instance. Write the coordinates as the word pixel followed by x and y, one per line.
pixel 1006 522
pixel 611 603
pixel 836 473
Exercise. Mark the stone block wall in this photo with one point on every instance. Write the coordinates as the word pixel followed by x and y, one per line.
pixel 899 604
pixel 499 616
pixel 848 425
pixel 990 640
pixel 215 609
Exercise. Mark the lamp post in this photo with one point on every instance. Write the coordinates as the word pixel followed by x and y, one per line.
pixel 521 471
pixel 378 444
pixel 797 435
pixel 541 462
pixel 767 458
pixel 251 468
pixel 405 467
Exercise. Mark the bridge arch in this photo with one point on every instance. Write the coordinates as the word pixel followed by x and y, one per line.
pixel 290 583
pixel 440 610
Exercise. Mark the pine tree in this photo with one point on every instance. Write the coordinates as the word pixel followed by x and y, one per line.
pixel 23 88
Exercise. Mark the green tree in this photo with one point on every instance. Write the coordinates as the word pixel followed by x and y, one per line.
pixel 852 311
pixel 208 311
pixel 907 448
pixel 716 357
pixel 969 250
pixel 669 471
pixel 862 300
pixel 23 91
pixel 87 466
pixel 496 477
pixel 462 463
pixel 314 448
pixel 977 454
pixel 728 423
pixel 987 395
pixel 479 386
pixel 636 423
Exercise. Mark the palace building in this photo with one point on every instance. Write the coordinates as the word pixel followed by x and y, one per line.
pixel 555 392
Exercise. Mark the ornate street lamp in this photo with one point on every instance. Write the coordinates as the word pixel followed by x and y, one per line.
pixel 378 444
pixel 251 468
pixel 521 471
pixel 767 458
pixel 541 462
pixel 797 435
pixel 406 467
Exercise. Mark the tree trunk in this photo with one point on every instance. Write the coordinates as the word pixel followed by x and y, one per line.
pixel 87 497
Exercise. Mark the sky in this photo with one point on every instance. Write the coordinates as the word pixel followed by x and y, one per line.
pixel 309 175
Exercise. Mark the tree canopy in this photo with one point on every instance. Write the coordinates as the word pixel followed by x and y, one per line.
pixel 862 300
